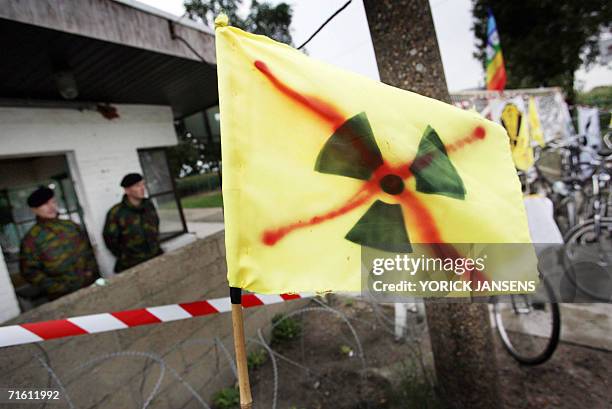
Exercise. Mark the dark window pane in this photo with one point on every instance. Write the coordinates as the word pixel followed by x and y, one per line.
pixel 9 238
pixel 69 194
pixel 214 121
pixel 6 215
pixel 18 199
pixel 194 124
pixel 156 172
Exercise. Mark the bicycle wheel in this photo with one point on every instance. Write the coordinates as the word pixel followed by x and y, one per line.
pixel 588 259
pixel 529 325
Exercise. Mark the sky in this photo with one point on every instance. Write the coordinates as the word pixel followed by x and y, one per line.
pixel 346 42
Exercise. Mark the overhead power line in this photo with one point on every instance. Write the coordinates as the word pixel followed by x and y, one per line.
pixel 325 23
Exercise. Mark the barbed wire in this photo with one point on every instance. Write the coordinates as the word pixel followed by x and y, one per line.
pixel 220 350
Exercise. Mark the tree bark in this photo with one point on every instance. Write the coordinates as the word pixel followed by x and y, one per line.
pixel 408 57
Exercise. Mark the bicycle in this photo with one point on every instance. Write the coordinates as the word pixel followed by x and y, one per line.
pixel 588 244
pixel 529 325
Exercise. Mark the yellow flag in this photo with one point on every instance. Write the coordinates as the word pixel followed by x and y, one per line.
pixel 319 163
pixel 534 123
pixel 513 119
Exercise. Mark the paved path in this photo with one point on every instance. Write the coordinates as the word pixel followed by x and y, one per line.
pixel 582 324
pixel 204 222
pixel 587 324
pixel 204 229
pixel 211 214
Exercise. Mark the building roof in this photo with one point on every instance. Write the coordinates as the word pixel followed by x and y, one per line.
pixel 161 13
pixel 119 51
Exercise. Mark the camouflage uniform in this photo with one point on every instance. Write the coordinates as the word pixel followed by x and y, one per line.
pixel 56 257
pixel 131 233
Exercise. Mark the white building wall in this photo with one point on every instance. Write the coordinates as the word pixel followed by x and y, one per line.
pixel 100 152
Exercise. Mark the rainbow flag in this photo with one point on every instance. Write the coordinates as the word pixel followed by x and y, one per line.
pixel 320 163
pixel 496 72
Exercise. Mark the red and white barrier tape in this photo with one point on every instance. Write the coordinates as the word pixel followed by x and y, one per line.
pixel 111 321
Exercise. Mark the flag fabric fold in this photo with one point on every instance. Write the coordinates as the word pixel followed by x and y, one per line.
pixel 319 163
pixel 535 128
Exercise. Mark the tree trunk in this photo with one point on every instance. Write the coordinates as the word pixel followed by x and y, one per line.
pixel 408 57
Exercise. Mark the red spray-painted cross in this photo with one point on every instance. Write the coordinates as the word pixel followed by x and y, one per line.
pixel 383 178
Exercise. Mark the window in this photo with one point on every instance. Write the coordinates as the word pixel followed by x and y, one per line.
pixel 204 128
pixel 214 123
pixel 196 125
pixel 19 178
pixel 162 192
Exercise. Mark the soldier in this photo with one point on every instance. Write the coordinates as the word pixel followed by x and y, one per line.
pixel 55 255
pixel 131 231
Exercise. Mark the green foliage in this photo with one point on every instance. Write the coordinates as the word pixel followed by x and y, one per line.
pixel 202 201
pixel 414 389
pixel 227 398
pixel 255 359
pixel 207 10
pixel 192 155
pixel 183 158
pixel 346 350
pixel 269 20
pixel 195 184
pixel 543 42
pixel 600 97
pixel 263 18
pixel 285 329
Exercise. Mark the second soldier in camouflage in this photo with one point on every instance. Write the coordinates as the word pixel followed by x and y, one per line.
pixel 131 231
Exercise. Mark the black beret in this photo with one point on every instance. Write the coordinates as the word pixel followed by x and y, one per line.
pixel 40 196
pixel 131 179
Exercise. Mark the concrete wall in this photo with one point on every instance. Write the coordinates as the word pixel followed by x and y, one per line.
pixel 194 272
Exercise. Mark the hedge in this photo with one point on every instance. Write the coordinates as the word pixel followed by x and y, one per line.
pixel 192 185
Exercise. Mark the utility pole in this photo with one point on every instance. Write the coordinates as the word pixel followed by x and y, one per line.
pixel 408 57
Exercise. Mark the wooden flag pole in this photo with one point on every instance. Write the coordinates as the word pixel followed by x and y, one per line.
pixel 246 401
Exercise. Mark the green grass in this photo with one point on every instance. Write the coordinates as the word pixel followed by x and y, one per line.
pixel 202 200
pixel 257 358
pixel 285 329
pixel 227 398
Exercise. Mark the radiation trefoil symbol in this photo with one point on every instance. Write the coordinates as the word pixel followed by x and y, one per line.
pixel 352 152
